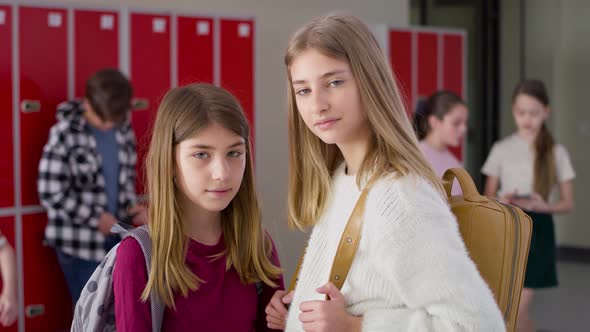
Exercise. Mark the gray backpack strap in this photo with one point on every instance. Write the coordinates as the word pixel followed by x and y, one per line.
pixel 142 236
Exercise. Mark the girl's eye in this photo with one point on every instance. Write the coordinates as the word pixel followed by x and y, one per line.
pixel 201 155
pixel 335 83
pixel 234 154
pixel 302 92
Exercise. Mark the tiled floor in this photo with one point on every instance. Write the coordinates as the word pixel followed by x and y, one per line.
pixel 567 307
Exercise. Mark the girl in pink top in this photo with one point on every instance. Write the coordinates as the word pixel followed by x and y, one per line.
pixel 212 264
pixel 441 123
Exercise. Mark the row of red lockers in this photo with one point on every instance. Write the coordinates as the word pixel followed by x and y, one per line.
pixel 45 64
pixel 58 48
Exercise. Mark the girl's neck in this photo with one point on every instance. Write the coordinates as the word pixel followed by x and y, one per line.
pixel 201 225
pixel 435 143
pixel 354 153
pixel 527 136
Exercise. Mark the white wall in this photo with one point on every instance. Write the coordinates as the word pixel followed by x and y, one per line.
pixel 276 20
pixel 558 52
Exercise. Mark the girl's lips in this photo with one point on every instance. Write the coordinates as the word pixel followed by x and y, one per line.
pixel 325 124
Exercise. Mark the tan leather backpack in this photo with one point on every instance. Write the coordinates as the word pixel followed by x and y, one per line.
pixel 497 237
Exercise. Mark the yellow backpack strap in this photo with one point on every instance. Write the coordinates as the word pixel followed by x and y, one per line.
pixel 347 247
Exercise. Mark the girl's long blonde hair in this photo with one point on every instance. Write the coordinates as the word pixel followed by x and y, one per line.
pixel 393 146
pixel 183 112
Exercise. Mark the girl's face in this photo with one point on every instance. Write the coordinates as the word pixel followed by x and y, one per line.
pixel 209 167
pixel 529 114
pixel 451 129
pixel 328 98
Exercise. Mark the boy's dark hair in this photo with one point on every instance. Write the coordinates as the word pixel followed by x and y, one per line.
pixel 109 93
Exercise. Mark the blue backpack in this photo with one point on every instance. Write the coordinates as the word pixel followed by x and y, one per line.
pixel 95 310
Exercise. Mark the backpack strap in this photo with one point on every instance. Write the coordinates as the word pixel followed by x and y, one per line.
pixel 347 247
pixel 142 236
pixel 465 181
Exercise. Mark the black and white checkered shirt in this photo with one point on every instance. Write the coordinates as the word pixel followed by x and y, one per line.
pixel 71 185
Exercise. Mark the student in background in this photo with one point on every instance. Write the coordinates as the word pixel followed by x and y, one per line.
pixel 86 178
pixel 526 169
pixel 440 123
pixel 348 131
pixel 213 265
pixel 8 297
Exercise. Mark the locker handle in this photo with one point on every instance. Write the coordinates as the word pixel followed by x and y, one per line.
pixel 30 106
pixel 34 310
pixel 140 104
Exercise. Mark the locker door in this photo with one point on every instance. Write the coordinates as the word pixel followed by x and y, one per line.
pixel 150 76
pixel 43 84
pixel 453 63
pixel 237 63
pixel 7 228
pixel 96 45
pixel 427 64
pixel 48 306
pixel 195 50
pixel 6 144
pixel 400 52
pixel 453 74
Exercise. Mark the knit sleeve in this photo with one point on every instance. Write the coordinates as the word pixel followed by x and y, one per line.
pixel 418 250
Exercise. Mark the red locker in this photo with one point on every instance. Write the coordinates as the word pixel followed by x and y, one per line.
pixel 195 50
pixel 150 76
pixel 43 84
pixel 453 78
pixel 237 63
pixel 48 306
pixel 427 64
pixel 96 45
pixel 453 63
pixel 6 143
pixel 400 52
pixel 7 228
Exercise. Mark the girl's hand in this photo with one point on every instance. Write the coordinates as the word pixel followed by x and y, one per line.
pixel 140 214
pixel 507 198
pixel 276 310
pixel 535 203
pixel 8 309
pixel 538 204
pixel 330 315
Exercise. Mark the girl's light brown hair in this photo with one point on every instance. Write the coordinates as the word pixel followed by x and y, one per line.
pixel 183 112
pixel 393 145
pixel 545 170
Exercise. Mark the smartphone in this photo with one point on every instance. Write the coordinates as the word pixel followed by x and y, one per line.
pixel 521 196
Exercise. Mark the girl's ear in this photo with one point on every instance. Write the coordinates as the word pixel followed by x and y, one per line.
pixel 433 122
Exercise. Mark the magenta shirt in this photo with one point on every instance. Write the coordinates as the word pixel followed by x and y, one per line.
pixel 221 303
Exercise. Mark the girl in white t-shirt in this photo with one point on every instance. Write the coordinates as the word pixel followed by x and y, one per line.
pixel 441 124
pixel 524 169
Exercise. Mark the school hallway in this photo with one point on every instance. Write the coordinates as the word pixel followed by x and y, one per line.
pixel 567 307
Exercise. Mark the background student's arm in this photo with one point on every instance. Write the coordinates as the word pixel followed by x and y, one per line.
pixel 8 298
pixel 129 280
pixel 536 203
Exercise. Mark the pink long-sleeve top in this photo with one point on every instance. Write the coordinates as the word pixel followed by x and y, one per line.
pixel 222 302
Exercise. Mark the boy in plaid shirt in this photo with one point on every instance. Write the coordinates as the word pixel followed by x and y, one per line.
pixel 86 178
